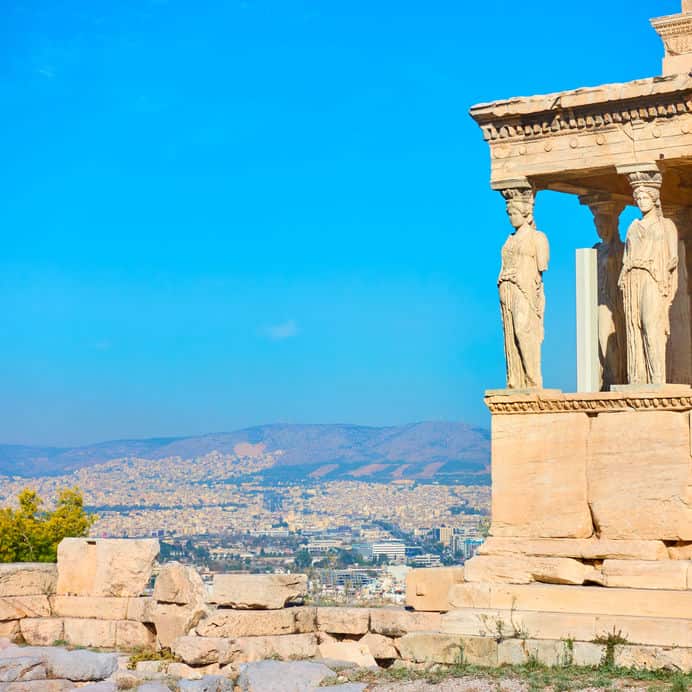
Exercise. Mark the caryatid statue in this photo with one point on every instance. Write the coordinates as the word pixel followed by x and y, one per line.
pixel 612 345
pixel 525 257
pixel 647 282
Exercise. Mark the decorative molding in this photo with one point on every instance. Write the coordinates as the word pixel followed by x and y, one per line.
pixel 585 110
pixel 590 403
pixel 675 32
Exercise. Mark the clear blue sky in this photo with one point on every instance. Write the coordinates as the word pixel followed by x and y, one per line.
pixel 218 214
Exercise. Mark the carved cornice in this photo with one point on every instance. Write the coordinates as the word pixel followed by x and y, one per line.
pixel 586 403
pixel 675 32
pixel 586 110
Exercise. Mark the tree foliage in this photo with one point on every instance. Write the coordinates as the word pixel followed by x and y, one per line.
pixel 31 534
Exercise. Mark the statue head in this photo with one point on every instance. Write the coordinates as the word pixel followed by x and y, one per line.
pixel 646 188
pixel 519 206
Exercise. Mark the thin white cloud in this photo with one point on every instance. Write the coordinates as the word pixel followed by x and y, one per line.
pixel 285 330
pixel 48 72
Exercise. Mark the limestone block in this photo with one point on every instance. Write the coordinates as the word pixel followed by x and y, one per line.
pixel 245 623
pixel 646 574
pixel 469 595
pixel 201 651
pixel 134 635
pixel 141 609
pixel 16 607
pixel 246 649
pixel 512 652
pixel 428 589
pixel 396 622
pixel 105 567
pixel 101 608
pixel 519 624
pixel 653 657
pixel 640 489
pixel 179 584
pixel 380 647
pixel 588 654
pixel 680 551
pixel 343 620
pixel 538 464
pixel 591 599
pixel 650 631
pixel 10 631
pixel 27 578
pixel 42 631
pixel 264 676
pixel 350 651
pixel 40 686
pixel 436 647
pixel 580 548
pixel 514 569
pixel 172 621
pixel 99 634
pixel 258 591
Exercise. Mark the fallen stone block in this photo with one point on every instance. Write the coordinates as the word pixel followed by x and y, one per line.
pixel 94 607
pixel 22 668
pixel 153 687
pixel 285 647
pixel 289 676
pixel 469 595
pixel 381 647
pixel 17 607
pixel 512 652
pixel 347 687
pixel 578 548
pixel 102 686
pixel 343 620
pixel 199 651
pixel 640 574
pixel 173 621
pixel 653 657
pixel 428 589
pixel 27 578
pixel 209 683
pixel 38 686
pixel 42 631
pixel 179 584
pixel 78 665
pixel 186 672
pixel 240 623
pixel 258 591
pixel 396 622
pixel 514 569
pixel 105 567
pixel 350 651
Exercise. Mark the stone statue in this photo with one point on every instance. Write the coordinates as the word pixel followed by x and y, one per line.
pixel 648 283
pixel 612 345
pixel 525 257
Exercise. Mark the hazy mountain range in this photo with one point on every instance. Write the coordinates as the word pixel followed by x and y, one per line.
pixel 427 450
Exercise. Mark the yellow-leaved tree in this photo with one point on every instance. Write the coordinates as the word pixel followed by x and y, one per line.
pixel 30 534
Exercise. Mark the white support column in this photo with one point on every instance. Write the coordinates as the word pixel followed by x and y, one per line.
pixel 588 365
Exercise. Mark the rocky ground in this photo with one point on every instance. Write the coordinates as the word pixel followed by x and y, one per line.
pixel 58 669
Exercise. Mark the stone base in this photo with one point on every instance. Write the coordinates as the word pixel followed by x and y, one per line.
pixel 529 391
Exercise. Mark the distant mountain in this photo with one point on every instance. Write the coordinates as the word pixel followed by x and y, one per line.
pixel 427 450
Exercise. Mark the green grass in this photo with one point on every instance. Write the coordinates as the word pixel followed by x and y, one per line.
pixel 535 675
